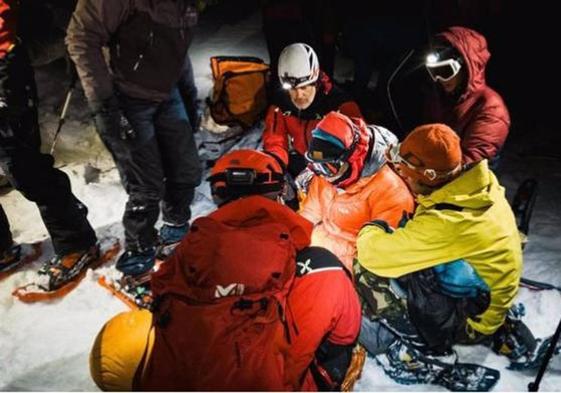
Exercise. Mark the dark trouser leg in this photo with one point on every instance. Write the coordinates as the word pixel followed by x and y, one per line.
pixel 5 233
pixel 33 174
pixel 139 164
pixel 180 160
pixel 188 91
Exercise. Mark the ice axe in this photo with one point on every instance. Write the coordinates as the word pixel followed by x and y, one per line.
pixel 62 118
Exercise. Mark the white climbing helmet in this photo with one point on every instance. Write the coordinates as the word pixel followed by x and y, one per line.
pixel 298 66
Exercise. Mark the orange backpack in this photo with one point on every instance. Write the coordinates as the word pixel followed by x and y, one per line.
pixel 220 320
pixel 239 92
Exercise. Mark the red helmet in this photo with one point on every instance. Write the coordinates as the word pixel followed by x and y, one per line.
pixel 245 172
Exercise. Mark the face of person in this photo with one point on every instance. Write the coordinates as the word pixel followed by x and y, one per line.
pixel 414 185
pixel 302 97
pixel 450 86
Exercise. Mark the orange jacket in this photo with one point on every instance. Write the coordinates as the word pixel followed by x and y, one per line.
pixel 339 214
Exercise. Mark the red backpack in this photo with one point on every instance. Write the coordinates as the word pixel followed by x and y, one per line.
pixel 220 323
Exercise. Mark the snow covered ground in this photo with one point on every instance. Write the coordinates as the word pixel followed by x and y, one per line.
pixel 46 346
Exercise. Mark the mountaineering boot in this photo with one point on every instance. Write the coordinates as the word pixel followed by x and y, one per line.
pixel 62 269
pixel 514 339
pixel 10 258
pixel 136 262
pixel 170 236
pixel 137 267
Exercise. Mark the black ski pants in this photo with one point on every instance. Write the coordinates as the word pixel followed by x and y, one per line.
pixel 31 172
pixel 159 165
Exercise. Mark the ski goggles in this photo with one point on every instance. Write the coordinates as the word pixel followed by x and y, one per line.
pixel 393 156
pixel 442 70
pixel 325 169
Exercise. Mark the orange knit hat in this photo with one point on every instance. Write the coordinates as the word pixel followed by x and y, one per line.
pixel 431 153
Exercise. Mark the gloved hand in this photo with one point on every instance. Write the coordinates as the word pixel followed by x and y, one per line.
pixel 303 180
pixel 380 224
pixel 111 122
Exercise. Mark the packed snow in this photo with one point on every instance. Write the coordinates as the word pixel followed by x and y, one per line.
pixel 45 346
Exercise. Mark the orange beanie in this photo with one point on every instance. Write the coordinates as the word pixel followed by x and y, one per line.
pixel 434 150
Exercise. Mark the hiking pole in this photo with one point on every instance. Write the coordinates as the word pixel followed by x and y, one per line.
pixel 62 117
pixel 535 386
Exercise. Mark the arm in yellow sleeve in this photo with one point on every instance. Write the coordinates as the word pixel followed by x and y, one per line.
pixel 427 240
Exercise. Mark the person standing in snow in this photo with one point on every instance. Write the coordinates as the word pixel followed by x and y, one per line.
pixel 305 97
pixel 139 113
pixel 30 171
pixel 309 347
pixel 353 184
pixel 457 261
pixel 462 99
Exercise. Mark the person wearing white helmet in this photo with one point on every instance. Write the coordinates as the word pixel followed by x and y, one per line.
pixel 306 96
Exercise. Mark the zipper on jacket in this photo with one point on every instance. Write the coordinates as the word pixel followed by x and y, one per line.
pixel 149 43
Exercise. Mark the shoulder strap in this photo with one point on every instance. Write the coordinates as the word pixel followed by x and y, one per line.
pixel 315 260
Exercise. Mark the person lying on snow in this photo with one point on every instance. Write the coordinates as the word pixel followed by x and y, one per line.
pixel 244 303
pixel 455 265
pixel 352 183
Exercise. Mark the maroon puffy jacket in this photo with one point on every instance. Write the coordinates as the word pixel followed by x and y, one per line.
pixel 478 115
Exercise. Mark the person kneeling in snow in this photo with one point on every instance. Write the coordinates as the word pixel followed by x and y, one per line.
pixel 243 303
pixel 353 184
pixel 456 264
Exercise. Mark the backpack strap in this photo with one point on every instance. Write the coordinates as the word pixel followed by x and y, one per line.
pixel 312 260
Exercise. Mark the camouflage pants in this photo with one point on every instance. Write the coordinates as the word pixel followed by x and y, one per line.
pixel 381 306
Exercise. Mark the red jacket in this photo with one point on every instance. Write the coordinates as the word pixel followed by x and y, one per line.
pixel 478 115
pixel 283 120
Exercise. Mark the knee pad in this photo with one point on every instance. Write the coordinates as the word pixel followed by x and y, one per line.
pixel 121 350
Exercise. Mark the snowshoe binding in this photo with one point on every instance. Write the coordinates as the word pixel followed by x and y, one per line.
pixel 60 275
pixel 407 365
pixel 514 339
pixel 134 291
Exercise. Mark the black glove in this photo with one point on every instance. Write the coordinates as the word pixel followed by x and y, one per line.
pixel 380 224
pixel 111 122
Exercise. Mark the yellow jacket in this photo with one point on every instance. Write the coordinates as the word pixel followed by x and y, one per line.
pixel 482 231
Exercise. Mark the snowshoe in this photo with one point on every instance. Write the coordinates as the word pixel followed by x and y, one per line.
pixel 523 204
pixel 407 365
pixel 534 359
pixel 134 291
pixel 170 236
pixel 61 275
pixel 17 257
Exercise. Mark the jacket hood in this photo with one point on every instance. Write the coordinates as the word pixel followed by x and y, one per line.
pixel 476 188
pixel 472 46
pixel 244 210
pixel 383 138
pixel 358 158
